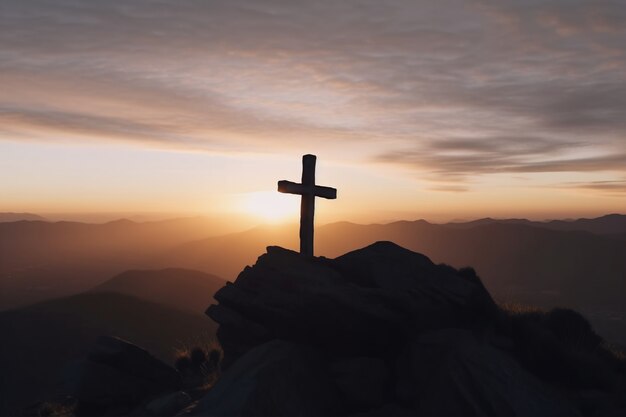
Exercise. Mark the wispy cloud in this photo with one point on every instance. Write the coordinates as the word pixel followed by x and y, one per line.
pixel 617 187
pixel 459 159
pixel 450 89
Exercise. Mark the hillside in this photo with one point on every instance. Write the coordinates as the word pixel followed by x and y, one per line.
pixel 38 340
pixel 610 224
pixel 182 289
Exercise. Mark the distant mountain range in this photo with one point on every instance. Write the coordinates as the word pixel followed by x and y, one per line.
pixel 15 217
pixel 518 260
pixel 578 262
pixel 611 224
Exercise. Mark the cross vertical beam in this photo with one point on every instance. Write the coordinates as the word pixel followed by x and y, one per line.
pixel 307 205
pixel 308 190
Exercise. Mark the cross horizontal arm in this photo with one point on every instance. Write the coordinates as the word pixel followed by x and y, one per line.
pixel 317 190
pixel 291 187
pixel 325 192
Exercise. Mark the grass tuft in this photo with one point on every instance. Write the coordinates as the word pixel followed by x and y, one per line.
pixel 199 364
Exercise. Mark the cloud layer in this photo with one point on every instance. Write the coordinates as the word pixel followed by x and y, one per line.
pixel 453 90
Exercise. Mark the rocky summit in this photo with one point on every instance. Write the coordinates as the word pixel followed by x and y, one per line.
pixel 385 331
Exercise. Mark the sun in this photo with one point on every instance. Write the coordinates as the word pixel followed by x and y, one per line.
pixel 271 206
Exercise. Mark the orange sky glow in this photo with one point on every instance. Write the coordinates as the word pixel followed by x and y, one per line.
pixel 427 109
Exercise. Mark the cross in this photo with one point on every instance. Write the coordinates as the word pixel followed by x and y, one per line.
pixel 309 191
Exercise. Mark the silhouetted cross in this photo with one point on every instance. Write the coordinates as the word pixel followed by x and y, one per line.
pixel 309 191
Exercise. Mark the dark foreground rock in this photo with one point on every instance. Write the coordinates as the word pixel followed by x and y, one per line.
pixel 449 372
pixel 276 378
pixel 117 374
pixel 169 404
pixel 384 331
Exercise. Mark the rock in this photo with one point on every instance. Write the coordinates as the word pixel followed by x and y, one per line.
pixel 576 361
pixel 387 265
pixel 451 373
pixel 168 405
pixel 362 381
pixel 285 295
pixel 276 378
pixel 117 373
pixel 387 410
pixel 594 402
pixel 572 329
pixel 236 334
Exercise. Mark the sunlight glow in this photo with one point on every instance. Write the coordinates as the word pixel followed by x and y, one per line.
pixel 271 206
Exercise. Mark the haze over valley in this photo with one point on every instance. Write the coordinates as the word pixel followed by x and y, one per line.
pixel 578 263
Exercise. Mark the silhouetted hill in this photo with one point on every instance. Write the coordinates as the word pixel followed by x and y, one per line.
pixel 42 260
pixel 183 289
pixel 488 220
pixel 15 217
pixel 38 340
pixel 610 224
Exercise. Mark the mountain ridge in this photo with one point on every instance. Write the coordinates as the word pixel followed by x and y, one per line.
pixel 36 264
pixel 9 217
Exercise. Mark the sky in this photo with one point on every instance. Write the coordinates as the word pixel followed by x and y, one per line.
pixel 440 109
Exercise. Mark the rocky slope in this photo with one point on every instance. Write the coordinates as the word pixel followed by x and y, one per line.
pixel 384 331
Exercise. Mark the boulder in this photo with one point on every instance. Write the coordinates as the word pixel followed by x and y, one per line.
pixel 362 381
pixel 237 334
pixel 117 373
pixel 387 410
pixel 278 378
pixel 387 265
pixel 450 373
pixel 169 404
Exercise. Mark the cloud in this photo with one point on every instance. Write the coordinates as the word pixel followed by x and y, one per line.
pixel 450 188
pixel 449 89
pixel 460 160
pixel 517 145
pixel 611 188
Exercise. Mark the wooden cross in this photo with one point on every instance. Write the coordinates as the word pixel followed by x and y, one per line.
pixel 309 191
